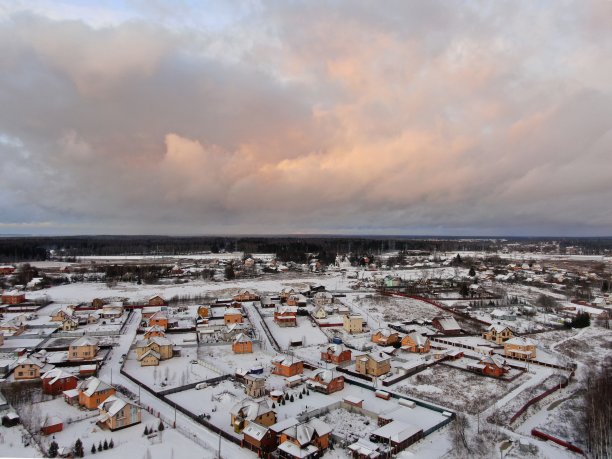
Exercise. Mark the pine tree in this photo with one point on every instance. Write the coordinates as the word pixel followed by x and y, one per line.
pixel 300 396
pixel 146 431
pixel 472 272
pixel 93 449
pixel 100 446
pixel 78 448
pixel 111 444
pixel 105 445
pixel 161 426
pixel 273 405
pixel 291 399
pixel 53 449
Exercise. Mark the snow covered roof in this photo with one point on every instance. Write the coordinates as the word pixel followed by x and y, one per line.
pixel 250 409
pixel 255 431
pixel 336 349
pixel 56 374
pixel 242 338
pixel 377 357
pixel 498 328
pixel 29 360
pixel 92 385
pixel 84 341
pixel 159 340
pixel 448 323
pixel 285 361
pixel 397 431
pixel 295 451
pixel 231 311
pixel 149 352
pixel 155 328
pixel 385 332
pixel 419 340
pixel 322 375
pixel 113 404
pixel 51 421
pixel 284 424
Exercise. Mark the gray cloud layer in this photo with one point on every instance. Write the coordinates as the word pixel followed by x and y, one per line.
pixel 419 117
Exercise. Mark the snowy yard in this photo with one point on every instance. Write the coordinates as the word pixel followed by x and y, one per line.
pixel 349 425
pixel 304 332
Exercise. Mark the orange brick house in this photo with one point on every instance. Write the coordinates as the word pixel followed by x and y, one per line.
pixel 159 319
pixel 232 316
pixel 287 366
pixel 13 297
pixel 336 354
pixel 325 381
pixel 242 344
pixel 157 301
pixel 92 392
pixel 385 337
pixel 285 316
pixel 305 440
pixel 415 342
pixel 490 365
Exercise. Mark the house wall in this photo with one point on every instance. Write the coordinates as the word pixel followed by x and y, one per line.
pixel 26 371
pixel 13 299
pixel 91 403
pixel 242 348
pixel 82 352
pixel 149 361
pixel 60 385
pixel 232 319
pixel 157 301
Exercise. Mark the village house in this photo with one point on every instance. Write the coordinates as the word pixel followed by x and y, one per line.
pixel 59 315
pixel 255 385
pixel 305 440
pixel 84 348
pixel 259 439
pixel 520 348
pixel 149 311
pixel 353 323
pixel 157 301
pixel 232 316
pixel 285 316
pixel 374 364
pixel 56 381
pixel 153 331
pixel 447 325
pixel 336 354
pixel 159 319
pixel 112 310
pixel 246 295
pixel 29 368
pixel 51 425
pixel 287 366
pixel 297 299
pixel 385 337
pixel 319 312
pixel 70 323
pixel 242 344
pixel 490 365
pixel 415 342
pixel 497 333
pixel 116 413
pixel 14 326
pixel 162 348
pixel 325 381
pixel 7 269
pixel 269 302
pixel 203 311
pixel 247 411
pixel 92 392
pixel 285 292
pixel 13 297
pixel 323 298
pixel 398 435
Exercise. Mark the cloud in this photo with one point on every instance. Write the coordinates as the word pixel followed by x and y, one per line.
pixel 309 116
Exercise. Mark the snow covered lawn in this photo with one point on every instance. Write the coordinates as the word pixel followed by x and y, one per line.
pixel 304 331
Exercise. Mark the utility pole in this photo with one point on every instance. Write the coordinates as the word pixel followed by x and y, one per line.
pixel 219 456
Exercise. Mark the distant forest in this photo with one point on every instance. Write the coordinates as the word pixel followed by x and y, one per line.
pixel 287 248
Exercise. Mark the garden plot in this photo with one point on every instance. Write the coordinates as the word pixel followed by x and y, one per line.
pixel 349 425
pixel 128 442
pixel 223 357
pixel 174 372
pixel 457 389
pixel 13 441
pixel 385 309
pixel 304 332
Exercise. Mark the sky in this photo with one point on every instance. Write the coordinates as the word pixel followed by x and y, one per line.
pixel 295 117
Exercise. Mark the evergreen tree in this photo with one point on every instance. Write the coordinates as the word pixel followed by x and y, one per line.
pixel 53 449
pixel 111 444
pixel 100 446
pixel 161 426
pixel 291 399
pixel 273 405
pixel 300 396
pixel 146 431
pixel 472 272
pixel 605 286
pixel 78 448
pixel 105 444
pixel 93 449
